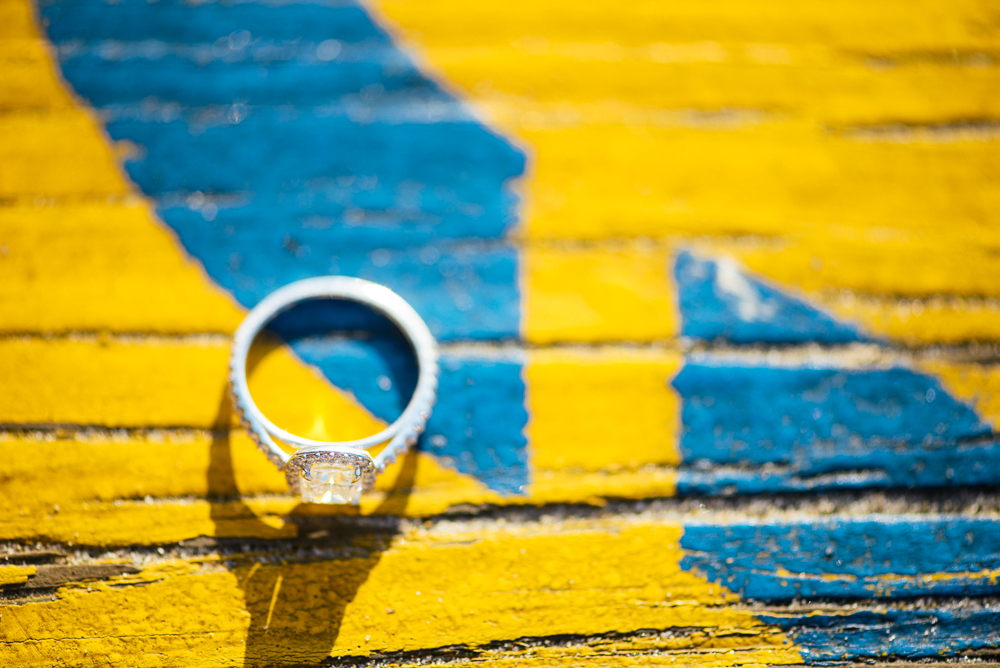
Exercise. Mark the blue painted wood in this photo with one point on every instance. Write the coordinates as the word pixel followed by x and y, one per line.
pixel 259 74
pixel 177 21
pixel 846 558
pixel 885 560
pixel 275 165
pixel 462 293
pixel 864 467
pixel 933 633
pixel 719 301
pixel 817 428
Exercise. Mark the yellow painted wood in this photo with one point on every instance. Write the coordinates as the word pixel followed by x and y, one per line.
pixel 170 382
pixel 77 251
pixel 768 153
pixel 28 80
pixel 429 589
pixel 608 288
pixel 568 82
pixel 151 489
pixel 92 266
pixel 880 261
pixel 700 649
pixel 15 574
pixel 896 26
pixel 942 319
pixel 595 487
pixel 977 384
pixel 607 180
pixel 58 154
pixel 16 20
pixel 144 382
pixel 162 384
pixel 731 120
pixel 907 290
pixel 605 409
pixel 111 382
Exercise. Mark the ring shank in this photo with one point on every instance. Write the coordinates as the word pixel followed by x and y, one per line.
pixel 401 433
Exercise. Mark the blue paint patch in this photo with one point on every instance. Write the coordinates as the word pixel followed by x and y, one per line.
pixel 174 22
pixel 462 291
pixel 848 559
pixel 871 467
pixel 268 73
pixel 290 140
pixel 753 429
pixel 891 634
pixel 718 300
pixel 888 560
pixel 282 141
pixel 482 432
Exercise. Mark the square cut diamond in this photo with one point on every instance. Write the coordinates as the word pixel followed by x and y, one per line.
pixel 332 482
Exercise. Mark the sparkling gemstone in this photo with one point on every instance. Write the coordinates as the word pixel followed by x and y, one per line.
pixel 332 482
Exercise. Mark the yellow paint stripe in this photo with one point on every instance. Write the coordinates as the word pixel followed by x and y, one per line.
pixel 855 25
pixel 595 487
pixel 131 277
pixel 572 82
pixel 880 261
pixel 10 575
pixel 29 82
pixel 602 409
pixel 428 589
pixel 976 384
pixel 624 404
pixel 16 20
pixel 149 382
pixel 132 520
pixel 609 180
pixel 940 319
pixel 55 154
pixel 610 159
pixel 76 252
pixel 580 294
pixel 151 489
pixel 704 650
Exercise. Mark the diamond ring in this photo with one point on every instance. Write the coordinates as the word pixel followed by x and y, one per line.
pixel 335 472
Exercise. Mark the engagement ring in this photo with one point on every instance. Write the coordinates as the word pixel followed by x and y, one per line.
pixel 331 471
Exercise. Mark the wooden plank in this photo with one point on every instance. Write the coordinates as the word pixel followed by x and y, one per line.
pixel 25 61
pixel 697 406
pixel 107 266
pixel 514 583
pixel 892 26
pixel 570 83
pixel 519 583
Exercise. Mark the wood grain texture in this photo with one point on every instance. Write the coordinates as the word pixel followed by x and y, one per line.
pixel 715 287
pixel 482 587
pixel 697 124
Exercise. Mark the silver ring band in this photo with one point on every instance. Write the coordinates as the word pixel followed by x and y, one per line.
pixel 401 434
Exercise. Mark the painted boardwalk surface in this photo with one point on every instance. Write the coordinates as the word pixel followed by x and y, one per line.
pixel 718 288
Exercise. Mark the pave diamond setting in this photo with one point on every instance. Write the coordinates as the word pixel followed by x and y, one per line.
pixel 335 472
pixel 335 477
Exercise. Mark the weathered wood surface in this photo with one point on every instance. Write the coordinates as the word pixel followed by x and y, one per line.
pixel 717 288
